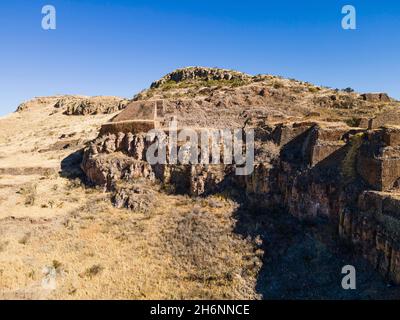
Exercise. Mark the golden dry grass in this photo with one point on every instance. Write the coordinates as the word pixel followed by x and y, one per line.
pixel 61 240
pixel 99 252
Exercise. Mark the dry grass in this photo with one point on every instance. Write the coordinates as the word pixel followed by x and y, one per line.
pixel 185 249
pixel 29 193
pixel 209 255
pixel 52 226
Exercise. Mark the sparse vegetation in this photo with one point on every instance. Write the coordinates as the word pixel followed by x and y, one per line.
pixel 348 90
pixel 29 192
pixel 200 247
pixel 200 242
pixel 313 89
pixel 24 240
pixel 74 184
pixel 276 84
pixel 93 271
pixel 353 122
pixel 171 85
pixel 57 265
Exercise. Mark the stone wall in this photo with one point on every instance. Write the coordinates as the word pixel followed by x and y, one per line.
pixel 321 170
pixel 373 229
pixel 379 158
pixel 112 157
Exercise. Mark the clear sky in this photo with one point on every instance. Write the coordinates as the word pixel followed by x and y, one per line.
pixel 119 47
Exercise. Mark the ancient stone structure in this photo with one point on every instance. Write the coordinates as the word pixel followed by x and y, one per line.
pixel 388 117
pixel 379 158
pixel 346 172
pixel 139 116
pixel 352 184
pixel 196 73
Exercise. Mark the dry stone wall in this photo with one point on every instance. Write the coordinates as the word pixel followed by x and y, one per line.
pixel 348 176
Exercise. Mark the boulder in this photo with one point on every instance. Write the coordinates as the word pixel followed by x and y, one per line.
pixel 375 97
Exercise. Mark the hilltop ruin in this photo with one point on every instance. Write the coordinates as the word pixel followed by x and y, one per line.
pixel 319 153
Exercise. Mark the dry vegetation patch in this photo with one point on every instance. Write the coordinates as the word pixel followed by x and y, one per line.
pixel 185 248
pixel 207 252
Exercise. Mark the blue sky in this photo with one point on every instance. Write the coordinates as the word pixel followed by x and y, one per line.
pixel 119 47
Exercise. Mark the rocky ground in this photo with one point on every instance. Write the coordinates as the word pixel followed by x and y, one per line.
pixel 64 237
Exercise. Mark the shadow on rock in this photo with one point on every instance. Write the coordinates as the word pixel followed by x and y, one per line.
pixel 304 259
pixel 70 166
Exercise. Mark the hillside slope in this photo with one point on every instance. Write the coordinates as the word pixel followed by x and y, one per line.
pixel 69 234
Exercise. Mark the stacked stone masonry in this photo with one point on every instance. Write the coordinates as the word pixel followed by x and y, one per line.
pixel 346 175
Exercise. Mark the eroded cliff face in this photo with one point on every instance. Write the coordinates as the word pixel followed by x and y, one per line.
pixel 111 159
pixel 372 225
pixel 346 172
pixel 349 176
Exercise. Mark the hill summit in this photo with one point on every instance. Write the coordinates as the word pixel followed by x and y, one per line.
pixel 83 206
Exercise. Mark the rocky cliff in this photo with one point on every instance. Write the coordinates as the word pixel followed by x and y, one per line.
pixel 319 153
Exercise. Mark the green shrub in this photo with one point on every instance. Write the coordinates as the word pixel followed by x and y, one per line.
pixel 313 89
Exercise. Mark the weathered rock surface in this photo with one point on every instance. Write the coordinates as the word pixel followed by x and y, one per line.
pixel 316 153
pixel 77 105
pixel 38 102
pixel 374 97
pixel 136 198
pixel 379 159
pixel 200 73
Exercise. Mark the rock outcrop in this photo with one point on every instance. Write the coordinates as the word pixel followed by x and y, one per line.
pixel 316 154
pixel 77 105
pixel 201 73
pixel 39 102
pixel 91 105
pixel 375 97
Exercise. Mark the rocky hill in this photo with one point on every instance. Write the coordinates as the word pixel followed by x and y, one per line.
pixel 80 197
pixel 210 96
pixel 77 105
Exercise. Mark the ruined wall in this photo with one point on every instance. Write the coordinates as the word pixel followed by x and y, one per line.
pixel 379 158
pixel 373 229
pixel 346 175
pixel 122 156
pixel 349 176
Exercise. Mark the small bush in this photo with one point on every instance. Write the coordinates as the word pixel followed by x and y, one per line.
pixel 277 84
pixel 74 184
pixel 169 85
pixel 93 271
pixel 313 89
pixel 29 193
pixel 348 90
pixel 24 239
pixel 353 122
